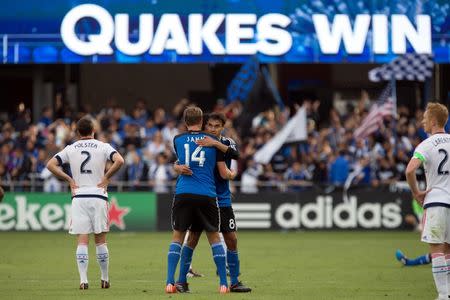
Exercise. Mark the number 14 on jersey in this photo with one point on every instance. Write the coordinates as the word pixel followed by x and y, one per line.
pixel 197 156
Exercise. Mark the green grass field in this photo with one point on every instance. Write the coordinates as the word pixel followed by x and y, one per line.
pixel 294 265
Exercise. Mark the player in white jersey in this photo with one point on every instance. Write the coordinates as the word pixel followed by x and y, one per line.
pixel 433 153
pixel 87 158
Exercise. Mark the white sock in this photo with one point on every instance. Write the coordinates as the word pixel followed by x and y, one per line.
pixel 82 262
pixel 439 269
pixel 222 240
pixel 186 237
pixel 103 260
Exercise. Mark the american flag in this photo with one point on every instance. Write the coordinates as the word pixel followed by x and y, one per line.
pixel 385 106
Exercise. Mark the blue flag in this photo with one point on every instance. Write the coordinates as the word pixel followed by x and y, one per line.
pixel 242 84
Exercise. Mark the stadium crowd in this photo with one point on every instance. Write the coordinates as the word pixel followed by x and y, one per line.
pixel 330 156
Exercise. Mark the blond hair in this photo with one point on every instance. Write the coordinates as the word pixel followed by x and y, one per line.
pixel 439 112
pixel 193 115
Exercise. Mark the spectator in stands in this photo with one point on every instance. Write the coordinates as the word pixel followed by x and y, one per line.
pixel 136 169
pixel 159 117
pixel 144 136
pixel 320 171
pixel 160 173
pixel 132 136
pixel 249 178
pixel 20 164
pixel 361 174
pixel 149 130
pixel 386 173
pixel 155 147
pixel 280 162
pixel 339 169
pixel 41 161
pixel 401 161
pixel 297 177
pixel 139 116
pixel 46 118
pixel 5 160
pixel 170 130
pixel 7 134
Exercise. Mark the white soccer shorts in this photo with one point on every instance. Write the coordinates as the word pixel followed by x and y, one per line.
pixel 89 215
pixel 436 227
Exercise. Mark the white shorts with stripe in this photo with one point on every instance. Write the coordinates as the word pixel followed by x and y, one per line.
pixel 436 225
pixel 89 215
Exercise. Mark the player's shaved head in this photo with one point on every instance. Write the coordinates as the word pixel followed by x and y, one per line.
pixel 85 126
pixel 193 115
pixel 439 112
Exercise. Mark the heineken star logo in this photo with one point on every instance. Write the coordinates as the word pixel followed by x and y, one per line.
pixel 116 214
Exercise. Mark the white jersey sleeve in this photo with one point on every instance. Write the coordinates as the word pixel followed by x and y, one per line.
pixel 62 156
pixel 109 151
pixel 422 151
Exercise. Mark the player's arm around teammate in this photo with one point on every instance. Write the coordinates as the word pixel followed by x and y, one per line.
pixel 215 125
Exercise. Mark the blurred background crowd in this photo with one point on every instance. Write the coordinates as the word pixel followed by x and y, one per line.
pixel 329 157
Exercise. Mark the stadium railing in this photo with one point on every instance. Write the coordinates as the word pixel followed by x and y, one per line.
pixel 36 184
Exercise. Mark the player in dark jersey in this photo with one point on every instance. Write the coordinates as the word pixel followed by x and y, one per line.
pixel 196 199
pixel 215 125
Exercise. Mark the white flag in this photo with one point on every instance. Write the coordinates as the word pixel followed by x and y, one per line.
pixel 293 131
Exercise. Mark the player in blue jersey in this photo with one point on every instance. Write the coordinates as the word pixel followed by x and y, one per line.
pixel 215 125
pixel 196 199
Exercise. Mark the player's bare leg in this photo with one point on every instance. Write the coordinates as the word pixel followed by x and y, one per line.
pixel 83 260
pixel 219 259
pixel 233 263
pixel 173 257
pixel 102 259
pixel 439 269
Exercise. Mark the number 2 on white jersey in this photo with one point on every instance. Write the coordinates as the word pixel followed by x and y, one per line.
pixel 442 163
pixel 198 155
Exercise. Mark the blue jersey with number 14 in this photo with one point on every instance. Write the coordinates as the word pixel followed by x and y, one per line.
pixel 201 160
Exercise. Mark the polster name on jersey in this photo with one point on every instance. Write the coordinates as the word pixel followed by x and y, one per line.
pixel 86 145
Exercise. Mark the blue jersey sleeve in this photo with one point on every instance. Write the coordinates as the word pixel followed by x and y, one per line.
pixel 220 156
pixel 232 152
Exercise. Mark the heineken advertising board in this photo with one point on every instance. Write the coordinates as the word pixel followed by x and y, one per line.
pixel 51 212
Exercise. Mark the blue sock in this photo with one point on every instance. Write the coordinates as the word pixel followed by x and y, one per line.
pixel 220 260
pixel 421 260
pixel 185 263
pixel 172 261
pixel 233 264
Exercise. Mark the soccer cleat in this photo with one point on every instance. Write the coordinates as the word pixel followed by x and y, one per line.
pixel 170 289
pixel 192 274
pixel 400 256
pixel 84 286
pixel 240 288
pixel 223 289
pixel 182 287
pixel 105 284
